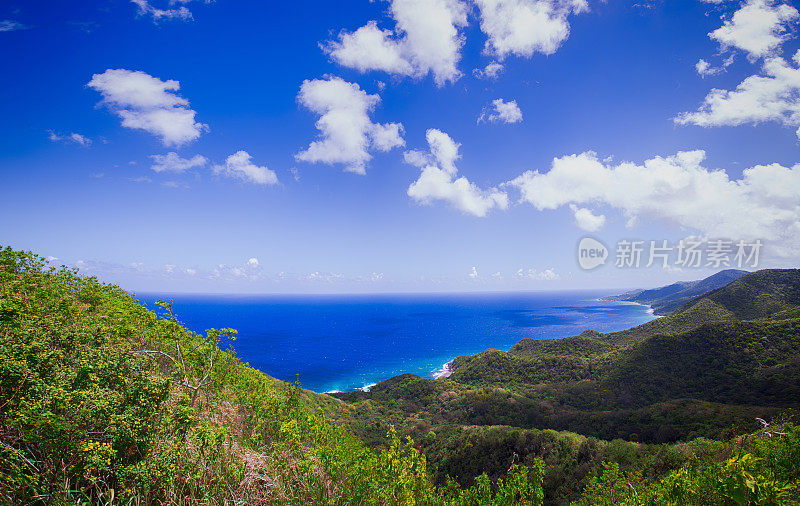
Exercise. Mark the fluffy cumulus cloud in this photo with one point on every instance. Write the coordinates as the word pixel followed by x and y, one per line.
pixel 586 220
pixel 347 134
pixel 172 162
pixel 426 39
pixel 705 69
pixel 439 179
pixel 525 27
pixel 763 204
pixel 147 103
pixel 501 112
pixel 772 96
pixel 73 137
pixel 492 70
pixel 758 28
pixel 240 166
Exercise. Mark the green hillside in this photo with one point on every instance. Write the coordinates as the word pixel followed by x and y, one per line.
pixel 106 402
pixel 757 295
pixel 708 370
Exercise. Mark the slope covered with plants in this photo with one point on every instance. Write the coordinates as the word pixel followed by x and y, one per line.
pixel 709 370
pixel 760 294
pixel 105 401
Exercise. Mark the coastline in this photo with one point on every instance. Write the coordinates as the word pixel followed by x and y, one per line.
pixel 347 345
pixel 444 371
pixel 650 309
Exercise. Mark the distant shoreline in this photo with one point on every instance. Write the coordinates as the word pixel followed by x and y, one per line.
pixel 649 307
pixel 446 370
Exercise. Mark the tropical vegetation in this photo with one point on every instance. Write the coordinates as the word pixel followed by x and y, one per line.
pixel 106 401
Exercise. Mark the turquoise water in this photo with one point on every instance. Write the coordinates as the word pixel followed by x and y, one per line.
pixel 345 342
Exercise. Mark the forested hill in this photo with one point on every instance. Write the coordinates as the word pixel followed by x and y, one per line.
pixel 710 369
pixel 668 298
pixel 756 295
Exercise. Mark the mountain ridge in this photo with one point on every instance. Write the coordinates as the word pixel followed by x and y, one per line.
pixel 666 299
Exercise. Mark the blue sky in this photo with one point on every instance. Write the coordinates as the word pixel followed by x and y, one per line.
pixel 424 180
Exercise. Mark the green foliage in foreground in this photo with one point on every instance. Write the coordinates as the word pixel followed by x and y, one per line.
pixel 103 401
pixel 766 471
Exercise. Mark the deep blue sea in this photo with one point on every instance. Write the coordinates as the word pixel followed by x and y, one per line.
pixel 344 342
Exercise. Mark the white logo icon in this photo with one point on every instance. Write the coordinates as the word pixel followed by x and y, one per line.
pixel 591 253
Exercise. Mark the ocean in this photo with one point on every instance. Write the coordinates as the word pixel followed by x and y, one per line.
pixel 346 342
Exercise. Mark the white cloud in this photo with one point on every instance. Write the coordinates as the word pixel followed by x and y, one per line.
pixel 426 40
pixel 763 204
pixel 79 139
pixel 473 273
pixel 324 277
pixel 146 9
pixel 504 112
pixel 525 27
pixel 417 158
pixel 491 71
pixel 8 25
pixel 245 272
pixel 249 270
pixel 240 166
pixel 705 69
pixel 172 162
pixel 438 180
pixel 370 48
pixel 533 274
pixel 773 96
pixel 147 103
pixel 346 130
pixel 586 220
pixel 759 27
